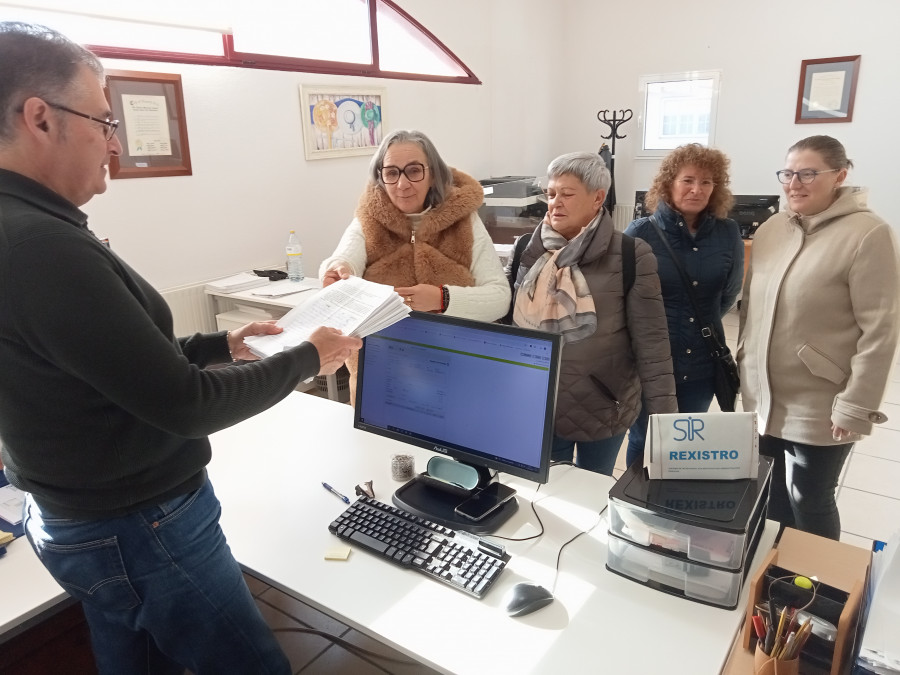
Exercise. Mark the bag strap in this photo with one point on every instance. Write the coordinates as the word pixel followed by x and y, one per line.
pixel 518 246
pixel 512 271
pixel 707 330
pixel 628 263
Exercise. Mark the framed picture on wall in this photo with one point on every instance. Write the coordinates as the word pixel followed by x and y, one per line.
pixel 341 121
pixel 827 90
pixel 152 125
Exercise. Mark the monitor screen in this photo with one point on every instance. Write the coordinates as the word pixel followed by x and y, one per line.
pixel 481 393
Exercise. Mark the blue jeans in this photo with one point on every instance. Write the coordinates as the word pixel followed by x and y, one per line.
pixel 160 589
pixel 804 478
pixel 692 397
pixel 596 456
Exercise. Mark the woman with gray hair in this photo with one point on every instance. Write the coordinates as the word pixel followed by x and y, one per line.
pixel 417 229
pixel 571 280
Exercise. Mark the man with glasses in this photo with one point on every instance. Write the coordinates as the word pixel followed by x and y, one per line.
pixel 104 414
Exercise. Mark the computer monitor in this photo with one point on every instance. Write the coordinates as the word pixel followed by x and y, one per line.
pixel 483 394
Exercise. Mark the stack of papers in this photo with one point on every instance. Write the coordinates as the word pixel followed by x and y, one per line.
pixel 11 501
pixel 278 289
pixel 353 306
pixel 235 283
pixel 880 649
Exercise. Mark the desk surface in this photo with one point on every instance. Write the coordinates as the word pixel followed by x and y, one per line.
pixel 309 284
pixel 268 470
pixel 26 589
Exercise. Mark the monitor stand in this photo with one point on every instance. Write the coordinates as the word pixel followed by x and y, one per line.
pixel 436 505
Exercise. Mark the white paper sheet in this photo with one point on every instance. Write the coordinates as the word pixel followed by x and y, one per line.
pixel 353 306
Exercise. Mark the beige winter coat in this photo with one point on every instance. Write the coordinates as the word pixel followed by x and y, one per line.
pixel 819 321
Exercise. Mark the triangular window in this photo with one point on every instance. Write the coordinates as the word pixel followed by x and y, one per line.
pixel 372 38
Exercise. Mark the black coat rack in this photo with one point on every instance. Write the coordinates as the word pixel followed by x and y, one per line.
pixel 619 117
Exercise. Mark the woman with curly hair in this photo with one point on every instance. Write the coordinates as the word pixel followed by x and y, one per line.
pixel 690 199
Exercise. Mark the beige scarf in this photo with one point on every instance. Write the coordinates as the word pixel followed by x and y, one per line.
pixel 554 295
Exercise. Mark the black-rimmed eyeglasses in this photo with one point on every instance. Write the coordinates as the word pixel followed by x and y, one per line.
pixel 805 176
pixel 414 172
pixel 111 125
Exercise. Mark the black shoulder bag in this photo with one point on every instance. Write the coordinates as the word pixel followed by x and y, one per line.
pixel 728 381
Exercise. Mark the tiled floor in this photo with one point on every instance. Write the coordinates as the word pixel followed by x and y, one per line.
pixel 313 654
pixel 869 489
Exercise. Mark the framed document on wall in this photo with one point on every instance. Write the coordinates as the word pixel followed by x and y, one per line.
pixel 827 90
pixel 152 125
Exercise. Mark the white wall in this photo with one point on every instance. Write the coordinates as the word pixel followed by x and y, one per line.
pixel 546 68
pixel 758 46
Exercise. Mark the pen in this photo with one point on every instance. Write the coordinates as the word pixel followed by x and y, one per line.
pixel 778 635
pixel 760 627
pixel 335 492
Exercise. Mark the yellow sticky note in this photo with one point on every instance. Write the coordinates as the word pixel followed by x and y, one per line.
pixel 337 553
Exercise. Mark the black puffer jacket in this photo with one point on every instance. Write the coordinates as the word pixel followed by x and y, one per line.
pixel 602 376
pixel 714 258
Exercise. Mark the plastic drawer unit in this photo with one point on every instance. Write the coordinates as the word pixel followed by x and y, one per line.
pixel 673 575
pixel 710 522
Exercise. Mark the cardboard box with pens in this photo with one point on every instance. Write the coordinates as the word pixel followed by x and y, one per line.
pixel 831 602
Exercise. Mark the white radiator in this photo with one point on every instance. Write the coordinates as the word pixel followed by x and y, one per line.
pixel 623 215
pixel 192 310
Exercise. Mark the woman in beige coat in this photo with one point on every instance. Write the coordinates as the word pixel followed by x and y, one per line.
pixel 819 330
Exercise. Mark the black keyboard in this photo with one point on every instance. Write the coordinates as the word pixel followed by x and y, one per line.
pixel 457 558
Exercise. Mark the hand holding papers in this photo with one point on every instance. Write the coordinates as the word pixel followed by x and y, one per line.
pixel 354 306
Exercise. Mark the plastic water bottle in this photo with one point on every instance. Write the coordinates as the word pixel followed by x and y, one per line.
pixel 294 258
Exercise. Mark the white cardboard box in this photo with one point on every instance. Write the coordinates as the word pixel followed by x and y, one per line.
pixel 702 446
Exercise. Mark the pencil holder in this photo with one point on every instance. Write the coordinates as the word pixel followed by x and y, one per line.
pixel 763 664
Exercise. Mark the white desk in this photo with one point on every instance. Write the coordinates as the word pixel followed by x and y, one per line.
pixel 275 307
pixel 26 590
pixel 268 470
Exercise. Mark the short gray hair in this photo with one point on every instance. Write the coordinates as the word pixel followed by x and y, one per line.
pixel 441 177
pixel 37 61
pixel 587 167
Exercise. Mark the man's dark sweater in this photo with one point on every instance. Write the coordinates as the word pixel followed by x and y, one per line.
pixel 102 410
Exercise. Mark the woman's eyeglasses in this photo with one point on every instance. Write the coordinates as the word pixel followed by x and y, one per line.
pixel 805 176
pixel 414 172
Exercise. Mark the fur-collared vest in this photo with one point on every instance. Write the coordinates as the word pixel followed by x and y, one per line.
pixel 441 250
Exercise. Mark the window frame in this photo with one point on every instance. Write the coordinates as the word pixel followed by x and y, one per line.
pixel 690 75
pixel 236 59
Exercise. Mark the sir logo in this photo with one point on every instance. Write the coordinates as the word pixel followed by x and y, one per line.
pixel 688 428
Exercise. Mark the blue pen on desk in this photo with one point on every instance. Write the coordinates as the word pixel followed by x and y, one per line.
pixel 334 492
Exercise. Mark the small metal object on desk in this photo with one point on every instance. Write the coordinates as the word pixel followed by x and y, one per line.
pixel 403 467
pixel 365 490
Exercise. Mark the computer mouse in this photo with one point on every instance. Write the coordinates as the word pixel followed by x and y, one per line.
pixel 526 597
